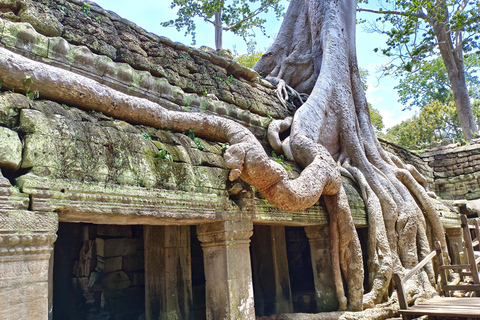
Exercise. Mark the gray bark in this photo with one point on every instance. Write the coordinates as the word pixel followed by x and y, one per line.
pixel 218 29
pixel 315 53
pixel 453 60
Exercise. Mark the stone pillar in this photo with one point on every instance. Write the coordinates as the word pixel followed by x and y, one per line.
pixel 271 280
pixel 168 283
pixel 228 276
pixel 455 236
pixel 26 240
pixel 325 294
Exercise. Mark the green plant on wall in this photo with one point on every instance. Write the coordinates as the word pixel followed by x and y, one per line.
pixel 197 141
pixel 85 8
pixel 163 154
pixel 31 95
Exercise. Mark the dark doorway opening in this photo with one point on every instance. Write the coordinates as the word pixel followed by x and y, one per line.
pixel 301 271
pixel 98 272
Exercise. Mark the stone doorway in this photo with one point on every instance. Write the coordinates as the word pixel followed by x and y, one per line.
pixel 123 272
pixel 301 271
pixel 98 272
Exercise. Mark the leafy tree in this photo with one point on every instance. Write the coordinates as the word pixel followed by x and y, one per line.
pixel 430 83
pixel 422 28
pixel 435 122
pixel 376 118
pixel 238 16
pixel 249 59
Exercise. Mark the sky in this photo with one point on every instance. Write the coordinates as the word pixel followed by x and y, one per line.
pixel 148 14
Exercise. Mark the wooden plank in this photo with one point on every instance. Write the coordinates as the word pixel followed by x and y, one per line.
pixel 419 266
pixel 402 298
pixel 465 287
pixel 455 266
pixel 443 273
pixel 468 246
pixel 465 306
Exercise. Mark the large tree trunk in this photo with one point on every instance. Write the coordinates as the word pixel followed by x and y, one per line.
pixel 453 60
pixel 315 53
pixel 218 29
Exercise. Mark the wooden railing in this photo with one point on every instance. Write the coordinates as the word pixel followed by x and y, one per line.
pixel 448 306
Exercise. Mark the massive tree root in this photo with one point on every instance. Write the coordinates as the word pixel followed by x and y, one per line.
pixel 315 53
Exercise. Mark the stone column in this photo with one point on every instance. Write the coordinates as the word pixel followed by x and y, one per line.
pixel 168 283
pixel 455 236
pixel 270 271
pixel 24 265
pixel 325 294
pixel 228 276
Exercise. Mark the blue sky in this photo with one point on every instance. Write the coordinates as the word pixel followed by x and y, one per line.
pixel 149 13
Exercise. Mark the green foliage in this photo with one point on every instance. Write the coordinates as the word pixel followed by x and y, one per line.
pixel 431 83
pixel 435 122
pixel 27 81
pixel 85 8
pixel 98 19
pixel 409 25
pixel 237 16
pixel 363 77
pixel 163 154
pixel 146 135
pixel 197 141
pixel 249 59
pixel 191 134
pixel 270 117
pixel 376 119
pixel 32 95
pixel 281 160
pixel 225 146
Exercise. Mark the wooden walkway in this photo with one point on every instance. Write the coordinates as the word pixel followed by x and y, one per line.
pixel 446 307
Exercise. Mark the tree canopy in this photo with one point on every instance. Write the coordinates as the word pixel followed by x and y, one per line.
pixel 431 83
pixel 435 122
pixel 420 29
pixel 237 16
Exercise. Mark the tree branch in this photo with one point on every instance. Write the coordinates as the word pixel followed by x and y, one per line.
pixel 255 13
pixel 398 13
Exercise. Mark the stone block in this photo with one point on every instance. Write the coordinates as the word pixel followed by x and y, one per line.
pixel 117 280
pixel 89 232
pixel 133 263
pixel 109 264
pixel 137 278
pixel 10 149
pixel 114 231
pixel 100 247
pixel 116 247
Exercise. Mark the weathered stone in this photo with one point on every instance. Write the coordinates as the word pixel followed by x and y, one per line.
pixel 10 149
pixel 112 264
pixel 10 106
pixel 110 230
pixel 168 283
pixel 45 22
pixel 115 247
pixel 229 290
pixel 117 280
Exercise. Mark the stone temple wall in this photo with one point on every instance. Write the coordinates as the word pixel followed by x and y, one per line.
pixel 456 170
